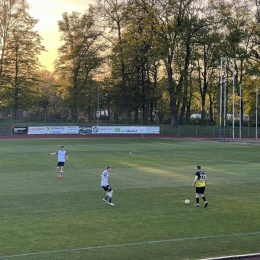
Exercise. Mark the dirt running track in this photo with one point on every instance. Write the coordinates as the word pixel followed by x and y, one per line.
pixel 246 140
pixel 91 136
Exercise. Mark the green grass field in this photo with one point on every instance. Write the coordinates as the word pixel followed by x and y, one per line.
pixel 42 217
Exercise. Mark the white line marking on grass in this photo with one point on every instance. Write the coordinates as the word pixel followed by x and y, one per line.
pixel 129 244
pixel 103 147
pixel 234 257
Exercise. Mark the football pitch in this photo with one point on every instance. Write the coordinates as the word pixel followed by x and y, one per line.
pixel 42 217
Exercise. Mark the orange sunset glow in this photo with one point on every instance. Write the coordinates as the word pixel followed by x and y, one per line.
pixel 48 12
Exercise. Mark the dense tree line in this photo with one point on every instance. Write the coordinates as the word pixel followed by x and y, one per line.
pixel 149 58
pixel 20 46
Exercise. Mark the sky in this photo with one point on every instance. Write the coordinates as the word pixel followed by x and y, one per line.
pixel 48 12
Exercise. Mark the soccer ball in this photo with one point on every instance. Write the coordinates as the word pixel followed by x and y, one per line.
pixel 187 202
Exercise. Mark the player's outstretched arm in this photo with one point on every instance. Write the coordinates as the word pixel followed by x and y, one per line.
pixel 51 153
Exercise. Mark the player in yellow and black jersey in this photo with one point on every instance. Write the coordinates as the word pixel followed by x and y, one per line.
pixel 200 184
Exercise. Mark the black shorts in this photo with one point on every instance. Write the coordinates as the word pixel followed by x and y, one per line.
pixel 60 164
pixel 107 188
pixel 200 190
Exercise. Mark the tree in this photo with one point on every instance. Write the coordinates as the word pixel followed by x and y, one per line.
pixel 21 46
pixel 140 59
pixel 21 63
pixel 179 24
pixel 47 87
pixel 78 56
pixel 240 27
pixel 11 12
pixel 113 14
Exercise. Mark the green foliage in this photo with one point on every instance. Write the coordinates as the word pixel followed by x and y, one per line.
pixel 186 40
pixel 20 46
pixel 158 57
pixel 79 56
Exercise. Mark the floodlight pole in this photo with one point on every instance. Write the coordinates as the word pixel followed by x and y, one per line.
pixel 220 100
pixel 240 108
pixel 225 102
pixel 233 100
pixel 256 108
pixel 222 61
pixel 98 113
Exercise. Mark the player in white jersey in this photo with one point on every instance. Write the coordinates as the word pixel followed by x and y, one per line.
pixel 62 158
pixel 106 187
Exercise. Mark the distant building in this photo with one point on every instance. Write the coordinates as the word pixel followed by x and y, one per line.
pixel 237 117
pixel 195 116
